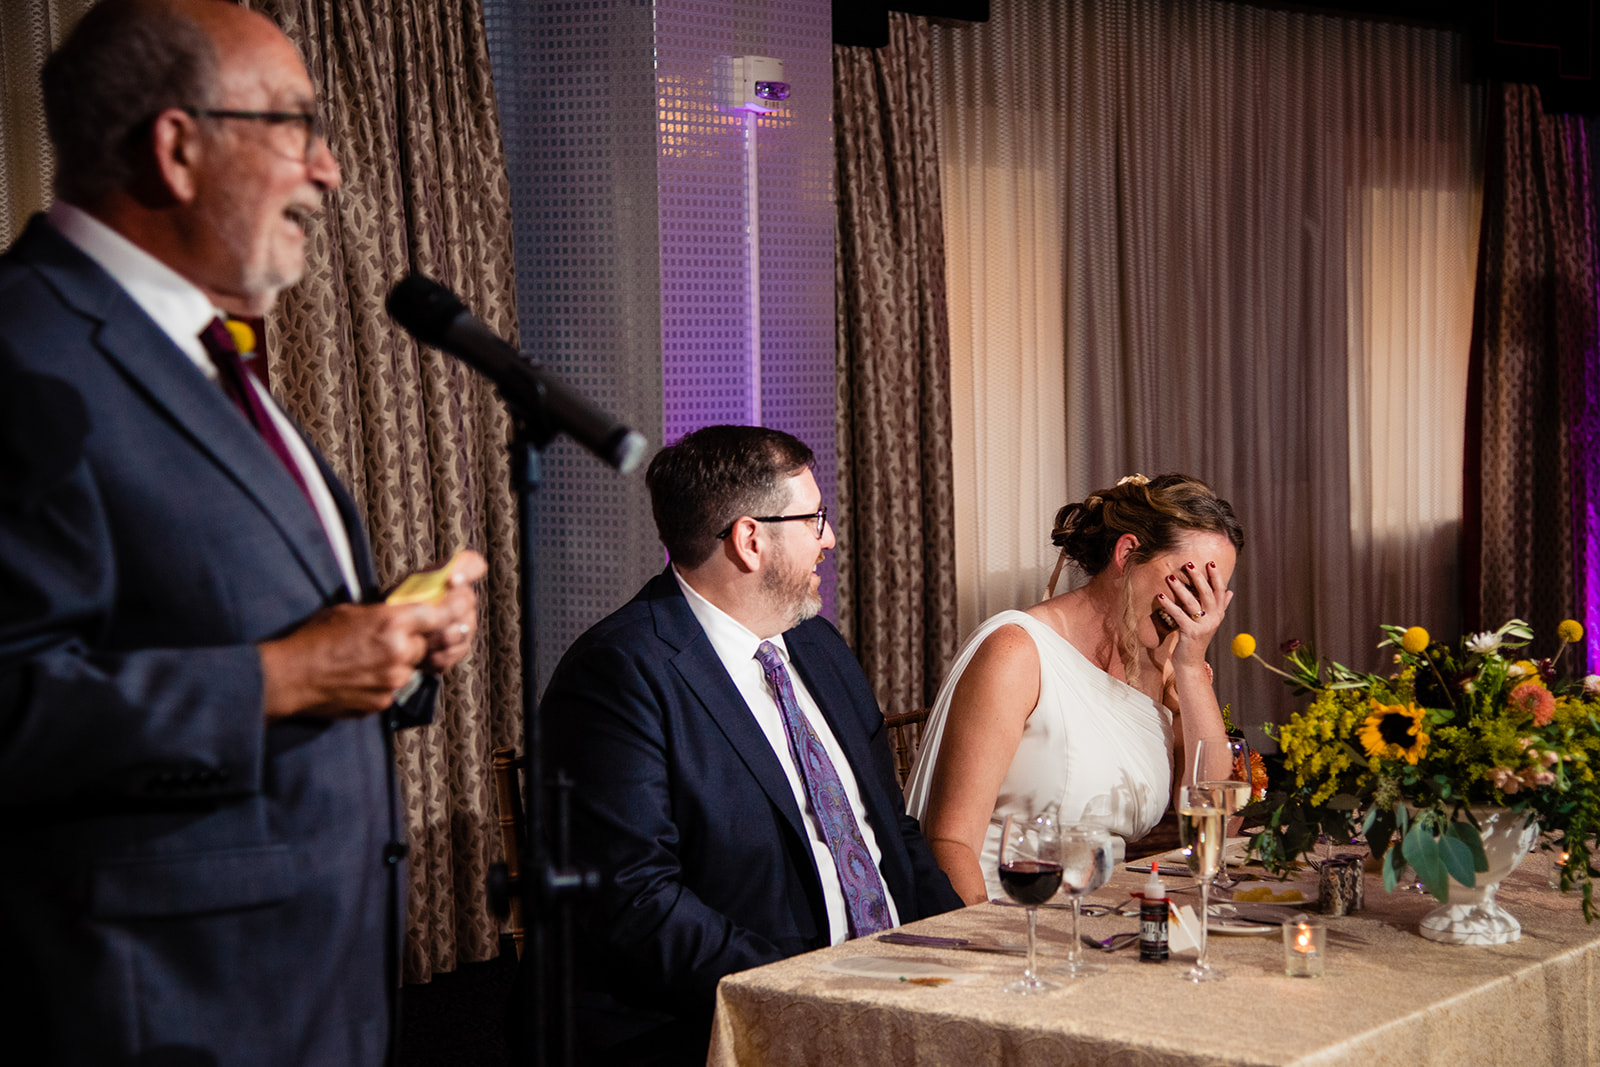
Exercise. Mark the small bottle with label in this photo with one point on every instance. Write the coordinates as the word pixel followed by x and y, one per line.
pixel 1153 920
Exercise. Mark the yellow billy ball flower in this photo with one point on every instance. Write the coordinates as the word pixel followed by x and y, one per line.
pixel 1414 640
pixel 1244 646
pixel 1570 631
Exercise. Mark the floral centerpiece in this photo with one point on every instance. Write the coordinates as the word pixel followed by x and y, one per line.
pixel 1453 727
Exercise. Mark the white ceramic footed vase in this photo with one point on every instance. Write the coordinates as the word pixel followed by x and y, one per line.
pixel 1472 917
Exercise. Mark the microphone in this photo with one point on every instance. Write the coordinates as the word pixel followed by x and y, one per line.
pixel 434 315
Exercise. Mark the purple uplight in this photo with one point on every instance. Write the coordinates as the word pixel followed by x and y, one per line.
pixel 1584 407
pixel 1586 511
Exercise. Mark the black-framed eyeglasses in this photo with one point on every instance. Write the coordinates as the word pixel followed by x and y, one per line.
pixel 820 517
pixel 315 131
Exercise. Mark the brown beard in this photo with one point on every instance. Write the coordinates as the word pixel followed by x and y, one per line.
pixel 795 601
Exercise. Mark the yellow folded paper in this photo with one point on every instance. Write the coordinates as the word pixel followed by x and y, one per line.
pixel 424 587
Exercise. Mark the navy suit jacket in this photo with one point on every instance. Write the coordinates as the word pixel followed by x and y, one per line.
pixel 180 879
pixel 684 807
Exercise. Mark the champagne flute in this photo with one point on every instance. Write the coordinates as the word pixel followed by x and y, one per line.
pixel 1030 874
pixel 1200 821
pixel 1085 866
pixel 1223 764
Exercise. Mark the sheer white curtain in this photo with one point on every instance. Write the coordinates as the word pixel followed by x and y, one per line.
pixel 1229 241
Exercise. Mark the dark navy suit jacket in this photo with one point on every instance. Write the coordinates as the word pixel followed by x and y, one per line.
pixel 180 880
pixel 683 805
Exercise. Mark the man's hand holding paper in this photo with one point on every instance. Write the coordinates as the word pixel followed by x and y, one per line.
pixel 350 660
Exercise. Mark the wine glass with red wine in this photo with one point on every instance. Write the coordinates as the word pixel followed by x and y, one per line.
pixel 1030 874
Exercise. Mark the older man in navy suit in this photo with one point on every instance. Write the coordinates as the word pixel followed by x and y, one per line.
pixel 203 855
pixel 734 782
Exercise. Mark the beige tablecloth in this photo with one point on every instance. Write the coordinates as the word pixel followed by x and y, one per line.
pixel 1389 997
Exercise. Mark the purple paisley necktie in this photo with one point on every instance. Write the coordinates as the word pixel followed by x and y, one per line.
pixel 865 900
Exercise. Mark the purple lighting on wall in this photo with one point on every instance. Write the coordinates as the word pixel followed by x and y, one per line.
pixel 1584 389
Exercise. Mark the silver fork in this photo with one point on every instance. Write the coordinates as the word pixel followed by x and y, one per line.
pixel 1112 943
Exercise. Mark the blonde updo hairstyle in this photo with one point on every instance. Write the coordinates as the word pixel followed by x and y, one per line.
pixel 1157 511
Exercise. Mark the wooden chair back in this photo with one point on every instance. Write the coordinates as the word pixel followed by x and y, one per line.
pixel 508 795
pixel 905 737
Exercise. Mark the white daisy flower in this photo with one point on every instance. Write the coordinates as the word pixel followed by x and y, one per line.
pixel 1483 643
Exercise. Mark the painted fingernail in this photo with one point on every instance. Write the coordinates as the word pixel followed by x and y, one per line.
pixel 1161 596
pixel 1190 566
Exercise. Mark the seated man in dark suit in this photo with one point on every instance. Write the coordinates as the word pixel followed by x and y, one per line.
pixel 734 779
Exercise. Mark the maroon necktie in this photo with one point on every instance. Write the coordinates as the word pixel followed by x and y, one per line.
pixel 232 374
pixel 865 900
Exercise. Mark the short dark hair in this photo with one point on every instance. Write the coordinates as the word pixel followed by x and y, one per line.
pixel 123 64
pixel 1155 510
pixel 716 474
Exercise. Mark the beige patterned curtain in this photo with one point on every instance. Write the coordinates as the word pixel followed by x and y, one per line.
pixel 896 549
pixel 1533 415
pixel 29 31
pixel 406 89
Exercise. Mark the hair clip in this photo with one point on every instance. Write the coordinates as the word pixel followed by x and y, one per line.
pixel 1135 479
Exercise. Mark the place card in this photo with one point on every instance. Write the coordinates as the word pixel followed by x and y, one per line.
pixel 1183 929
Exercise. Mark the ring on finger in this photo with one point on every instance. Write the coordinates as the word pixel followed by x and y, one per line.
pixel 1197 615
pixel 462 630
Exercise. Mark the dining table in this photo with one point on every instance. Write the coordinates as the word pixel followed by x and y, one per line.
pixel 1387 995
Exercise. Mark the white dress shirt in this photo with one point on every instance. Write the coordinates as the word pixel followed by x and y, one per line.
pixel 736 646
pixel 182 311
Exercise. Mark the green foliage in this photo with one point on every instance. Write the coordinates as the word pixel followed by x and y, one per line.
pixel 1452 727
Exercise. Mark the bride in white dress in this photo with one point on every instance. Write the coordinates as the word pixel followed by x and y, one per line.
pixel 1087 701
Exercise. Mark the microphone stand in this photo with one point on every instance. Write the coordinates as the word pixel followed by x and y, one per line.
pixel 549 885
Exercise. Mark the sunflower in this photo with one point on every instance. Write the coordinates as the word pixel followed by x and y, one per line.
pixel 1394 732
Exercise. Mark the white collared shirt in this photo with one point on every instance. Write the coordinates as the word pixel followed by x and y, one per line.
pixel 182 311
pixel 736 646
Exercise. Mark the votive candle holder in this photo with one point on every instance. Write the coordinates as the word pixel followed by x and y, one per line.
pixel 1305 947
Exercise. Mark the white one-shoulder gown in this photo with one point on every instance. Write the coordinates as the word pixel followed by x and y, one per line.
pixel 1095 748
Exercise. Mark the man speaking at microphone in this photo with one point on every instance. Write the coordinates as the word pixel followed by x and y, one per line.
pixel 197 689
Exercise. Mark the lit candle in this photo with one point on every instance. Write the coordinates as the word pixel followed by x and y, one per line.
pixel 1304 951
pixel 1556 869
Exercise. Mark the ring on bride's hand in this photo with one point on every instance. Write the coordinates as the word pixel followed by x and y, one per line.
pixel 1197 615
pixel 462 630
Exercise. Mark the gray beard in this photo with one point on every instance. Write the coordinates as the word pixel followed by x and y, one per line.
pixel 795 609
pixel 809 608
